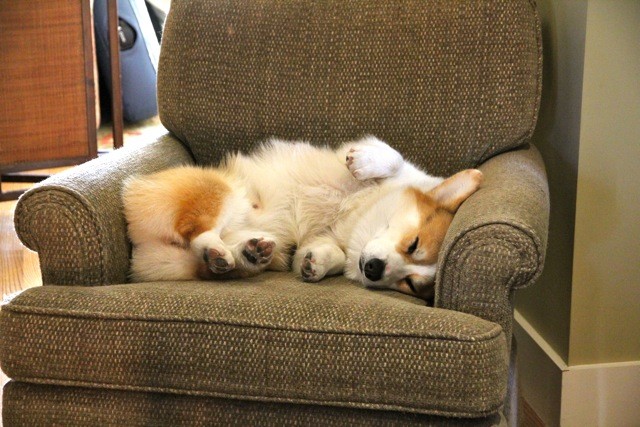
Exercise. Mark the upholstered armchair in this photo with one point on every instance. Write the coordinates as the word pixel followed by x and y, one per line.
pixel 450 84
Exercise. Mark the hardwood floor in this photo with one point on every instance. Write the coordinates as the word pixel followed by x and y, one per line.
pixel 19 267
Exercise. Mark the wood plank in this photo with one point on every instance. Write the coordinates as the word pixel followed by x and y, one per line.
pixel 91 77
pixel 116 75
pixel 528 417
pixel 20 267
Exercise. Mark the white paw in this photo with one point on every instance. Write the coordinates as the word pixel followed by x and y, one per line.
pixel 313 268
pixel 320 261
pixel 218 260
pixel 258 252
pixel 372 158
pixel 213 251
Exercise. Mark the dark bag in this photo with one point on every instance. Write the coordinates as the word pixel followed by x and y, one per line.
pixel 139 52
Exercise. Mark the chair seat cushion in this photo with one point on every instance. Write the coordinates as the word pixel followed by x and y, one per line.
pixel 270 339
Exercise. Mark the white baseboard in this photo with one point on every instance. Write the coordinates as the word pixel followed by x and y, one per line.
pixel 601 395
pixel 539 372
pixel 585 395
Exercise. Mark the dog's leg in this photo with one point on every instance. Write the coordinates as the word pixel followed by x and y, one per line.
pixel 370 158
pixel 212 250
pixel 252 250
pixel 152 261
pixel 317 258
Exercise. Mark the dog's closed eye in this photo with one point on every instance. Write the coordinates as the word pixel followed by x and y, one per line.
pixel 413 246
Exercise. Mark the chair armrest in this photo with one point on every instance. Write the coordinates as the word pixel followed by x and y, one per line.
pixel 75 221
pixel 497 240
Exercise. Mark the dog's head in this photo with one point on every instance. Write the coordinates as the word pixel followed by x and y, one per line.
pixel 403 251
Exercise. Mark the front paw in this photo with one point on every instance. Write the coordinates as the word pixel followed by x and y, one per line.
pixel 218 260
pixel 258 251
pixel 372 159
pixel 311 270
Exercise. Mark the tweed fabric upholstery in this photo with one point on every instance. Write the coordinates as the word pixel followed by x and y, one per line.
pixel 497 240
pixel 270 339
pixel 74 219
pixel 52 405
pixel 451 84
pixel 448 83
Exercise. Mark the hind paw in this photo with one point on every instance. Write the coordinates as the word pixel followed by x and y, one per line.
pixel 218 261
pixel 258 251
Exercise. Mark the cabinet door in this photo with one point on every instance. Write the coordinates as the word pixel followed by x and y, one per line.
pixel 47 84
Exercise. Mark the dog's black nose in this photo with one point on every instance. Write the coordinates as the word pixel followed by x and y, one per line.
pixel 373 269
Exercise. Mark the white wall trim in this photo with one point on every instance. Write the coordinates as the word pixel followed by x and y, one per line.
pixel 632 364
pixel 540 341
pixel 604 394
pixel 540 371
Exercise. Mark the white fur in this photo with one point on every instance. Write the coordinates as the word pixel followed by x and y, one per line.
pixel 335 206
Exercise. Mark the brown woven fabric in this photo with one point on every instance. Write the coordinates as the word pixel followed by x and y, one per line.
pixel 35 405
pixel 74 219
pixel 497 240
pixel 273 339
pixel 448 83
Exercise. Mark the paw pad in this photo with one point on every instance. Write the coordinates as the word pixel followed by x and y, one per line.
pixel 215 261
pixel 258 251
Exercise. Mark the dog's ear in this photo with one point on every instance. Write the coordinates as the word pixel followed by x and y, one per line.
pixel 454 190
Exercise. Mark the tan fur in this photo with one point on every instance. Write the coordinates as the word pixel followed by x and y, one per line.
pixel 456 189
pixel 189 198
pixel 433 225
pixel 436 208
pixel 199 202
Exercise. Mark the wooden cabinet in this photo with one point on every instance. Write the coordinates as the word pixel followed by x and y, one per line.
pixel 47 85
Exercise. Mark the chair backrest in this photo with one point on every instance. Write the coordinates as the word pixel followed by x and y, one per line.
pixel 448 83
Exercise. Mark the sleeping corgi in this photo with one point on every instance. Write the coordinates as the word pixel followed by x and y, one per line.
pixel 361 210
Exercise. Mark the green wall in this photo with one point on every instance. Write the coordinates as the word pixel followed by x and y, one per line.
pixel 605 304
pixel 547 304
pixel 586 305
